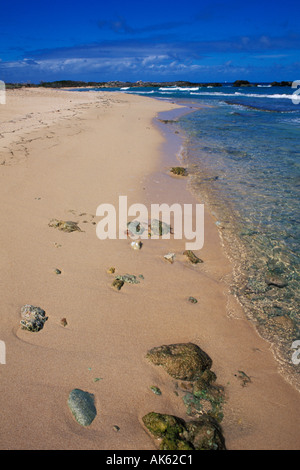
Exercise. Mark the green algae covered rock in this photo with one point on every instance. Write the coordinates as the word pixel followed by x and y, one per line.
pixel 176 434
pixel 155 390
pixel 82 406
pixel 183 361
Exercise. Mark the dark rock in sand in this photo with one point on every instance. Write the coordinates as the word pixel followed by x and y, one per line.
pixel 33 318
pixel 192 257
pixel 82 406
pixel 118 284
pixel 183 361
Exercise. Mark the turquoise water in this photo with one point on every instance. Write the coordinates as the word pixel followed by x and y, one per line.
pixel 242 150
pixel 245 165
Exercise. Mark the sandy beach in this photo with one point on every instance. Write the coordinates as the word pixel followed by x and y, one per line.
pixel 63 154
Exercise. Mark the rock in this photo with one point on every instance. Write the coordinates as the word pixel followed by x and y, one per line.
pixel 136 228
pixel 116 428
pixel 203 398
pixel 170 257
pixel 129 278
pixel 82 406
pixel 63 322
pixel 192 257
pixel 167 121
pixel 155 390
pixel 240 83
pixel 282 83
pixel 57 271
pixel 157 227
pixel 243 377
pixel 192 300
pixel 205 434
pixel 205 380
pixel 65 226
pixel 183 361
pixel 179 171
pixel 136 245
pixel 111 270
pixel 118 284
pixel 33 318
pixel 176 434
pixel 274 280
pixel 282 324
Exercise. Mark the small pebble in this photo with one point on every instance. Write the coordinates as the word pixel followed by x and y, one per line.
pixel 192 300
pixel 57 271
pixel 63 322
pixel 155 390
pixel 170 257
pixel 136 245
pixel 116 428
pixel 118 284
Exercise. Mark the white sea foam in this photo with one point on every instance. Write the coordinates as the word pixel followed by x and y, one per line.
pixel 125 88
pixel 250 95
pixel 178 88
pixel 142 92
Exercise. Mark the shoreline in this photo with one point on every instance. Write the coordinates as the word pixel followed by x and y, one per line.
pixel 238 255
pixel 109 333
pixel 234 308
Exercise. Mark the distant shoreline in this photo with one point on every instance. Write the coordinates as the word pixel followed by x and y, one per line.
pixel 141 84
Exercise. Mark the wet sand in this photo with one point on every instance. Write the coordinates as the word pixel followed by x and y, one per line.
pixel 62 154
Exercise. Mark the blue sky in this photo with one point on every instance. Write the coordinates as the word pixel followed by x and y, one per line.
pixel 157 41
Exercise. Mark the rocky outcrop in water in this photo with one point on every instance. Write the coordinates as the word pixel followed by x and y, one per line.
pixel 282 83
pixel 242 83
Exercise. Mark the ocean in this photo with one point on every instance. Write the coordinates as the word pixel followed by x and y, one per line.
pixel 241 147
